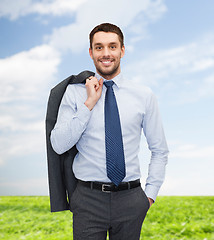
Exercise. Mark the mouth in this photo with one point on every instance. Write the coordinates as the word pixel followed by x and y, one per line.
pixel 106 62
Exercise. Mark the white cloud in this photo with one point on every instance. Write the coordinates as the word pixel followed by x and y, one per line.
pixel 57 7
pixel 192 151
pixel 22 130
pixel 207 87
pixel 186 71
pixel 193 57
pixel 14 9
pixel 189 170
pixel 26 74
pixel 25 80
pixel 203 64
pixel 191 184
pixel 22 144
pixel 75 35
pixel 138 14
pixel 152 9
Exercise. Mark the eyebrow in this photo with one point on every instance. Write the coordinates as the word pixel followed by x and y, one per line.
pixel 111 43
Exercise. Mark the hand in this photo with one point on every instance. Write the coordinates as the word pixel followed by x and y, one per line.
pixel 94 91
pixel 151 201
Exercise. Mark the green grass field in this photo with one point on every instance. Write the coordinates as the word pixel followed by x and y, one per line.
pixel 169 218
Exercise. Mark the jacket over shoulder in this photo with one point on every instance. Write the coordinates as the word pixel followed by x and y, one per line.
pixel 62 181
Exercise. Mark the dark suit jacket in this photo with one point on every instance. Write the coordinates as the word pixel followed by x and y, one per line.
pixel 62 181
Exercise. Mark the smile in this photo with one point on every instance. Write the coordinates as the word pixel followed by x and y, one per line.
pixel 106 62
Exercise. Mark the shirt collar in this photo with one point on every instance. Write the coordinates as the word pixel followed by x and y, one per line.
pixel 117 80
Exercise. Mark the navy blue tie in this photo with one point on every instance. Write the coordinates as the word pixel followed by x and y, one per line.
pixel 115 162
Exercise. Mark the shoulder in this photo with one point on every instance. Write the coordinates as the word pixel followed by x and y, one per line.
pixel 137 87
pixel 74 88
pixel 75 92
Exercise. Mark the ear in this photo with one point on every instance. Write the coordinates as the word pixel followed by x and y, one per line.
pixel 122 51
pixel 90 53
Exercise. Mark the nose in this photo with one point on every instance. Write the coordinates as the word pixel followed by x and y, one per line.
pixel 106 52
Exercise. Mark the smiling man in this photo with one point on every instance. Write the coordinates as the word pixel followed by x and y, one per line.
pixel 104 119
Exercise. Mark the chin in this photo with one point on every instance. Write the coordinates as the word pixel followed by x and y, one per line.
pixel 108 72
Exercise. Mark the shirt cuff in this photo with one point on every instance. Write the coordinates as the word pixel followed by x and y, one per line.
pixel 151 191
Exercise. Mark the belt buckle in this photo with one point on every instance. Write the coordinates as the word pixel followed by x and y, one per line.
pixel 103 188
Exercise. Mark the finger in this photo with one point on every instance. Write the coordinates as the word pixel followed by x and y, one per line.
pixel 92 78
pixel 91 81
pixel 96 86
pixel 88 81
pixel 99 91
pixel 89 78
pixel 100 84
pixel 101 81
pixel 94 81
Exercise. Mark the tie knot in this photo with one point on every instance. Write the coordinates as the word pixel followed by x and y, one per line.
pixel 108 83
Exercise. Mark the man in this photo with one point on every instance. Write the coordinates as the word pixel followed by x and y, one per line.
pixel 104 119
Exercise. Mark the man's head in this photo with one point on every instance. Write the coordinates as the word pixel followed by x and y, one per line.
pixel 106 49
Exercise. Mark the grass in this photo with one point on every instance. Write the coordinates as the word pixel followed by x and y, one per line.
pixel 170 218
pixel 180 218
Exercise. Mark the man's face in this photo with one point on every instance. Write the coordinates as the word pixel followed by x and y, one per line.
pixel 106 53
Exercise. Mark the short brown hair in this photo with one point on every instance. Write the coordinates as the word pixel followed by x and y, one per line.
pixel 107 27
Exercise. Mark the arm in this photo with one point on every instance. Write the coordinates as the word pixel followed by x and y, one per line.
pixel 72 122
pixel 153 130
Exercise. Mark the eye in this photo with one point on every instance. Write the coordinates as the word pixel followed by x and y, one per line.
pixel 98 48
pixel 113 47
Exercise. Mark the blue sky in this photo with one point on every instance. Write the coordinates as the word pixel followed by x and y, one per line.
pixel 169 47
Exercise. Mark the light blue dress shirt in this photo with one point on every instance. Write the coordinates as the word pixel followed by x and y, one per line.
pixel 138 110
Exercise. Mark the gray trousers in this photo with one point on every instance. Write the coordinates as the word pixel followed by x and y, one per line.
pixel 95 212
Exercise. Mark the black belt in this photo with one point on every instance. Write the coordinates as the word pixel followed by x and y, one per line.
pixel 110 187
